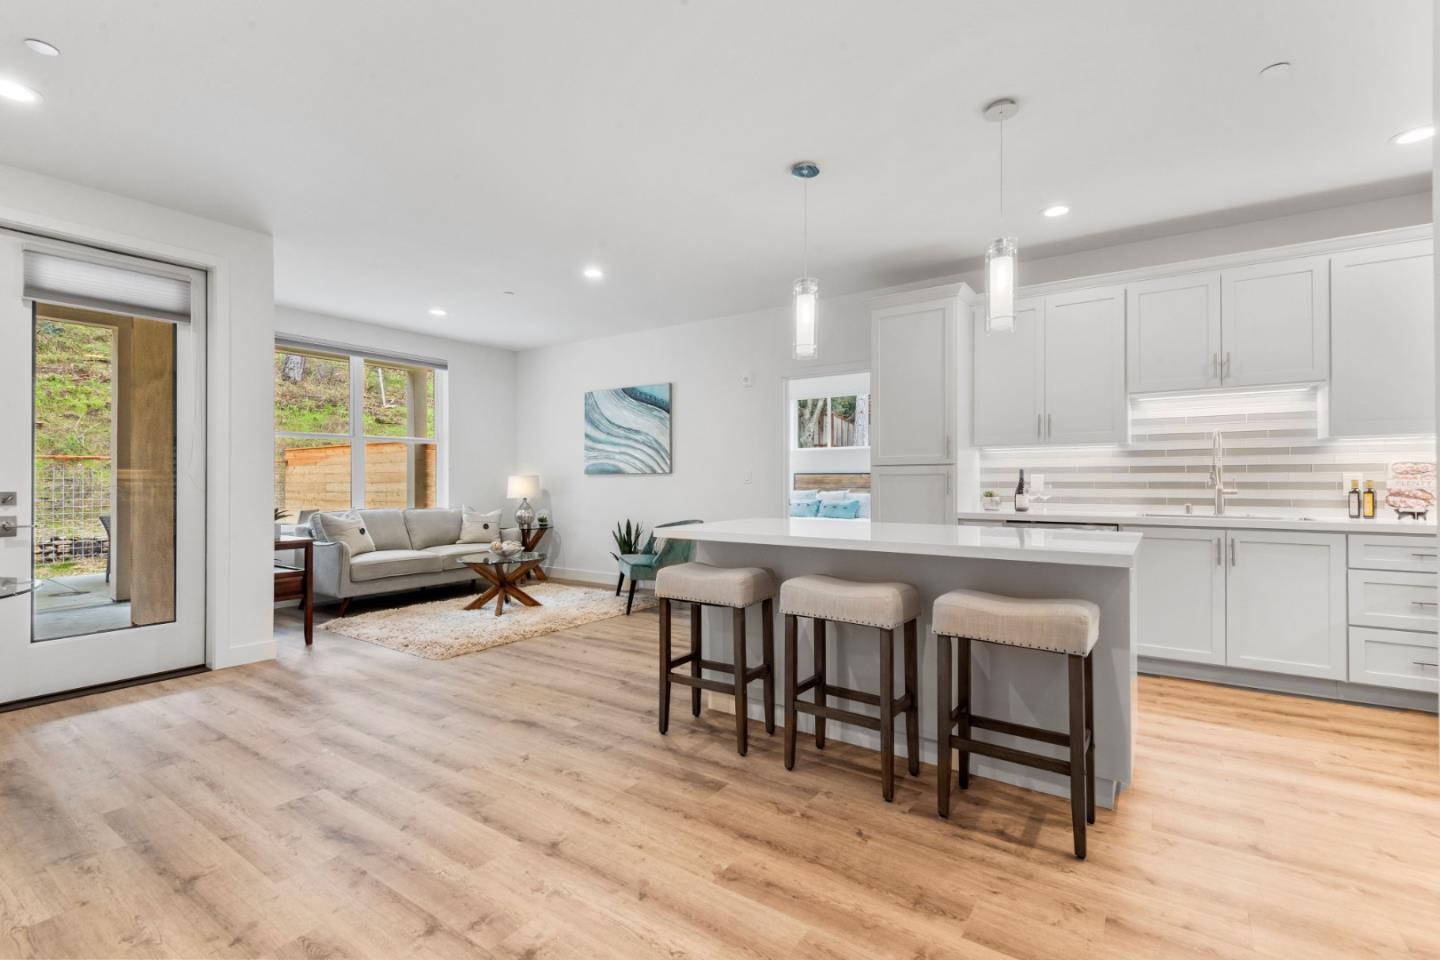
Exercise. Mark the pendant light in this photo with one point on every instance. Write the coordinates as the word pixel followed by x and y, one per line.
pixel 807 288
pixel 1001 255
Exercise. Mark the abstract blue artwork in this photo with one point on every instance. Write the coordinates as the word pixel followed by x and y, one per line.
pixel 628 430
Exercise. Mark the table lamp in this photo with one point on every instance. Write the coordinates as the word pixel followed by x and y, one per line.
pixel 524 486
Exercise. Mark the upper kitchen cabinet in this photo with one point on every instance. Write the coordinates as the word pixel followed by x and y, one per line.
pixel 1009 379
pixel 1173 333
pixel 1059 377
pixel 913 369
pixel 1085 366
pixel 1275 323
pixel 1382 332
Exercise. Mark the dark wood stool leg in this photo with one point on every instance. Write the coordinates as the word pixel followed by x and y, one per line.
pixel 944 678
pixel 887 714
pixel 742 702
pixel 912 712
pixel 696 615
pixel 790 684
pixel 1077 751
pixel 962 661
pixel 767 638
pixel 820 671
pixel 1090 729
pixel 664 666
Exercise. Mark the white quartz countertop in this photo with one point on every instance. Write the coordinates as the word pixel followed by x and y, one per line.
pixel 1089 548
pixel 1319 521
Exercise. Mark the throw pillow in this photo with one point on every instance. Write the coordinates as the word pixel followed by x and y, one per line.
pixel 803 496
pixel 805 508
pixel 844 510
pixel 477 527
pixel 349 529
pixel 834 496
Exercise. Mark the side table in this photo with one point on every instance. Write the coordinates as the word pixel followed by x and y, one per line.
pixel 298 583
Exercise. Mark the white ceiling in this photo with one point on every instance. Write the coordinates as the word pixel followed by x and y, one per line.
pixel 440 152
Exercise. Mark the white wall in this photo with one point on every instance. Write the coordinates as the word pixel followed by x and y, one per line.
pixel 480 429
pixel 238 416
pixel 724 431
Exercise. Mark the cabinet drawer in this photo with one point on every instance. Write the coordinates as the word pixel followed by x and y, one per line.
pixel 1400 601
pixel 1394 658
pixel 1381 552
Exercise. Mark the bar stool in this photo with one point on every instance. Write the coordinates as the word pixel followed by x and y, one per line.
pixel 737 588
pixel 886 606
pixel 1068 627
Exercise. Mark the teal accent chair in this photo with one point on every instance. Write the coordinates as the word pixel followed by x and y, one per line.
pixel 644 566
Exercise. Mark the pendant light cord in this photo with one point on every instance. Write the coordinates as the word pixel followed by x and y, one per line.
pixel 805 229
pixel 1002 178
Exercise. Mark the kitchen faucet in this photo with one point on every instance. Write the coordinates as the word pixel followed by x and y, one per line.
pixel 1217 474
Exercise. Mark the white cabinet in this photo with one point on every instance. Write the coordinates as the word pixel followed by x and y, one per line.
pixel 1172 333
pixel 1285 602
pixel 1388 598
pixel 1382 332
pixel 1085 366
pixel 1378 551
pixel 1009 380
pixel 912 382
pixel 1181 574
pixel 1275 323
pixel 915 494
pixel 1394 658
pixel 1059 377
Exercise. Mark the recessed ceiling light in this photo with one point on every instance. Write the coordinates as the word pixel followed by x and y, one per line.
pixel 437 312
pixel 1281 68
pixel 18 92
pixel 592 273
pixel 42 48
pixel 1415 135
pixel 1055 210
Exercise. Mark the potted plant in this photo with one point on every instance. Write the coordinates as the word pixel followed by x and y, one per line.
pixel 990 500
pixel 280 517
pixel 628 539
pixel 543 518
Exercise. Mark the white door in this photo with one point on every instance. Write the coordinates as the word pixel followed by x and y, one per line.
pixel 1084 345
pixel 1286 602
pixel 1009 380
pixel 920 494
pixel 141 411
pixel 1382 335
pixel 912 411
pixel 1173 333
pixel 1182 594
pixel 1275 323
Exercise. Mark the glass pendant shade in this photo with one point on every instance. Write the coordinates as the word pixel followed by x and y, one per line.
pixel 1000 286
pixel 807 295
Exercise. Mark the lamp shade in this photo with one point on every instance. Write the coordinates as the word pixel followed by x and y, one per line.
pixel 523 485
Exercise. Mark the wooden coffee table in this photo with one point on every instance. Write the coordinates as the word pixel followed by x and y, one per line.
pixel 504 575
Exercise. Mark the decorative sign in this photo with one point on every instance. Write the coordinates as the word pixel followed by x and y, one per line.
pixel 1411 488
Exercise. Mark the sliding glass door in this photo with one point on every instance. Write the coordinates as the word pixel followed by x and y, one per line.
pixel 102 559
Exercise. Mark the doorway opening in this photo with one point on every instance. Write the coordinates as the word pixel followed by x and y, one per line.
pixel 828 459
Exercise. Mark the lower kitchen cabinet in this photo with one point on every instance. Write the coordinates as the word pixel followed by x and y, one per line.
pixel 1181 575
pixel 1285 602
pixel 1403 659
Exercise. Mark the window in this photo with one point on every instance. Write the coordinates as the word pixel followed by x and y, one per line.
pixel 354 431
pixel 834 421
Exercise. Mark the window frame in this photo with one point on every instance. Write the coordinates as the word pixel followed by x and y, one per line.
pixel 356 436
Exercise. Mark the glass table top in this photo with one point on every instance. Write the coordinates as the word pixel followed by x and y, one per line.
pixel 489 557
pixel 10 587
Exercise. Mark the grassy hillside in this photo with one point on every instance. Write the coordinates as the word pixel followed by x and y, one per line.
pixel 72 389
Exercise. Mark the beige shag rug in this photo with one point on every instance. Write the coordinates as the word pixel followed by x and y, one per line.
pixel 443 629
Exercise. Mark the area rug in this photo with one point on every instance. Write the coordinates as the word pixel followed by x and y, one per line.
pixel 443 629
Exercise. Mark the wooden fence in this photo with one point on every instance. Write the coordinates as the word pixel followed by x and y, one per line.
pixel 318 478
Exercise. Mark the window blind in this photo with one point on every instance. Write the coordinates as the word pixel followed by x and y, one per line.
pixel 329 348
pixel 73 282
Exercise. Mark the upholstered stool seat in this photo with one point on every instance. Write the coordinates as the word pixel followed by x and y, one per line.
pixel 885 606
pixel 737 588
pixel 888 606
pixel 1068 627
pixel 1060 626
pixel 718 586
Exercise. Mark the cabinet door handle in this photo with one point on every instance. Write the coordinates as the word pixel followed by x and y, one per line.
pixel 1423 556
pixel 1225 367
pixel 1214 366
pixel 1425 603
pixel 1049 426
pixel 1232 553
pixel 1425 663
pixel 1039 431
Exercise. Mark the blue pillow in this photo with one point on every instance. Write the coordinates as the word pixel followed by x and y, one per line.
pixel 844 510
pixel 805 508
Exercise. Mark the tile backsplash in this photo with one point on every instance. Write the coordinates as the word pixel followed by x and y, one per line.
pixel 1273 456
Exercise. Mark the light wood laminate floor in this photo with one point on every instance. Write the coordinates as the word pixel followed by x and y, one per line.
pixel 349 801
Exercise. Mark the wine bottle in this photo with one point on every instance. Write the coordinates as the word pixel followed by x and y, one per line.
pixel 1022 499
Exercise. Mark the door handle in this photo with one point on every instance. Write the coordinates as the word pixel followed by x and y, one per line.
pixel 1049 426
pixel 1039 432
pixel 1225 367
pixel 1423 556
pixel 1232 553
pixel 1425 603
pixel 1425 663
pixel 9 526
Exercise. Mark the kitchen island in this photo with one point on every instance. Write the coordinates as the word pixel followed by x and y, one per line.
pixel 1022 686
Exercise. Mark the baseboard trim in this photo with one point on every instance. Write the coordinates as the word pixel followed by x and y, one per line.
pixel 1312 687
pixel 575 575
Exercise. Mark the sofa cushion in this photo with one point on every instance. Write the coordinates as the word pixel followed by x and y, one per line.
pixel 381 564
pixel 432 527
pixel 454 551
pixel 346 528
pixel 478 527
pixel 387 529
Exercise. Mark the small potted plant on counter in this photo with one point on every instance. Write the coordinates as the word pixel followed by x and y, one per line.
pixel 990 501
